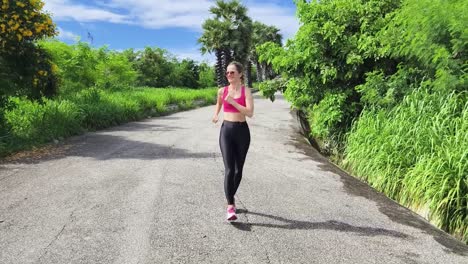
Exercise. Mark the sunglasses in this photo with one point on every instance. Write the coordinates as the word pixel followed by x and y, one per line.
pixel 230 72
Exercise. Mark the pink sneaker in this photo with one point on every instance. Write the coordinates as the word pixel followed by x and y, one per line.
pixel 231 214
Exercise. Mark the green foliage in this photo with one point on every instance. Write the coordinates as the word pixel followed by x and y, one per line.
pixel 414 149
pixel 263 33
pixel 76 64
pixel 185 74
pixel 387 91
pixel 326 115
pixel 114 70
pixel 270 87
pixel 430 44
pixel 80 67
pixel 102 109
pixel 417 153
pixel 435 35
pixel 34 122
pixel 154 67
pixel 206 77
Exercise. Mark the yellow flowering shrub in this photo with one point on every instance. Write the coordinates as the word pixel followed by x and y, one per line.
pixel 23 21
pixel 25 68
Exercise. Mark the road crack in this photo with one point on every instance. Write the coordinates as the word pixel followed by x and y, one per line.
pixel 56 236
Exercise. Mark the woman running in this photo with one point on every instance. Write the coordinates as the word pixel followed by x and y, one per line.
pixel 234 137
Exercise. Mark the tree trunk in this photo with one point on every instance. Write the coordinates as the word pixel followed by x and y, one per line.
pixel 220 77
pixel 264 71
pixel 270 73
pixel 227 58
pixel 248 73
pixel 259 74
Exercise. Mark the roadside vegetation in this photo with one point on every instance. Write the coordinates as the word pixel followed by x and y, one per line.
pixel 33 123
pixel 383 86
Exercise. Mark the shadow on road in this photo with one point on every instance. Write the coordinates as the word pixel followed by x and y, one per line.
pixel 104 146
pixel 328 225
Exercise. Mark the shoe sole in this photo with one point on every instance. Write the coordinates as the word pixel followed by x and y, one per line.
pixel 232 218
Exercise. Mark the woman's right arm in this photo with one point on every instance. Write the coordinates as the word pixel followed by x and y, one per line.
pixel 219 104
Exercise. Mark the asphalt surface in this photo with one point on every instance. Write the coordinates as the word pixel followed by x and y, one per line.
pixel 152 192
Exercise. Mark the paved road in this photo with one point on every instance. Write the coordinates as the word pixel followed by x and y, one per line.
pixel 152 192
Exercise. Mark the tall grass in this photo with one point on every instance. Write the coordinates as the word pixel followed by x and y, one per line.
pixel 417 154
pixel 31 123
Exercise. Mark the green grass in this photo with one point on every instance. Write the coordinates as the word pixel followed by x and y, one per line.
pixel 29 124
pixel 417 154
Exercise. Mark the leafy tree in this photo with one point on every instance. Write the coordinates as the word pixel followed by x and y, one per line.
pixel 207 76
pixel 185 74
pixel 76 64
pixel 114 70
pixel 154 67
pixel 130 54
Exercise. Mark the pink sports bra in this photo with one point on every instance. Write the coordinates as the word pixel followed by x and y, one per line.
pixel 241 100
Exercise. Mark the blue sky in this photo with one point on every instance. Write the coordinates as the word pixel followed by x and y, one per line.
pixel 174 25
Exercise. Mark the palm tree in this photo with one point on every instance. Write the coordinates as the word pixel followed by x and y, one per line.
pixel 228 34
pixel 261 34
pixel 214 38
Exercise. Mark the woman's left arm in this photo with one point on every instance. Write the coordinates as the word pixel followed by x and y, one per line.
pixel 248 109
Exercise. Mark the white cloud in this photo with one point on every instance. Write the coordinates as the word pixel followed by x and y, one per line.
pixel 158 14
pixel 67 10
pixel 67 35
pixel 166 13
pixel 275 15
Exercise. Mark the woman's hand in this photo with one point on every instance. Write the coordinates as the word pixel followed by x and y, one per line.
pixel 215 119
pixel 230 97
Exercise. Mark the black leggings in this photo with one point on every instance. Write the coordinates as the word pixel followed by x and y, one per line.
pixel 234 141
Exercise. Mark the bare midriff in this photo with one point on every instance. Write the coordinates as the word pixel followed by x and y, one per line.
pixel 233 117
